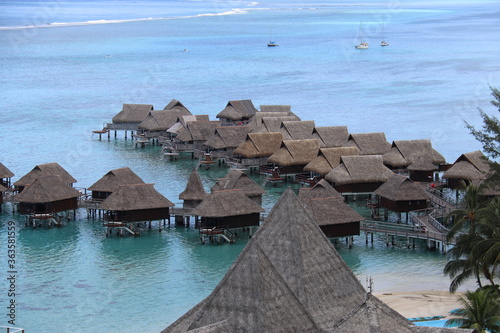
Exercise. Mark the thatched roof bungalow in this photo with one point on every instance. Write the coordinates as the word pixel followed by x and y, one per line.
pixel 276 108
pixel 401 194
pixel 329 158
pixel 136 203
pixel 237 180
pixel 237 112
pixel 158 122
pixel 359 174
pixel 297 130
pixel 112 180
pixel 290 278
pixel 228 209
pixel 328 209
pixel 193 134
pixel 194 193
pixel 269 124
pixel 47 194
pixel 5 175
pixel 2 189
pixel 130 117
pixel 177 106
pixel 331 136
pixel 43 170
pixel 370 143
pixel 294 155
pixel 226 139
pixel 471 166
pixel 256 148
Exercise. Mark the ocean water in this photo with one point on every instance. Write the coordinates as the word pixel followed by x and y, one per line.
pixel 66 67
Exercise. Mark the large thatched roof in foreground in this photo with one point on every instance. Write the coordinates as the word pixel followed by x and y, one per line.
pixel 114 179
pixel 329 158
pixel 227 203
pixel 42 170
pixel 238 110
pixel 47 189
pixel 295 152
pixel 132 113
pixel 5 172
pixel 290 278
pixel 401 188
pixel 235 179
pixel 370 143
pixel 360 169
pixel 135 197
pixel 194 188
pixel 259 145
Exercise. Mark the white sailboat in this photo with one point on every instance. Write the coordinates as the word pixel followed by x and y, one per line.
pixel 383 42
pixel 361 41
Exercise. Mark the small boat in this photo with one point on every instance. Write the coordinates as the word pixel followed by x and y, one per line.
pixel 271 44
pixel 384 43
pixel 361 41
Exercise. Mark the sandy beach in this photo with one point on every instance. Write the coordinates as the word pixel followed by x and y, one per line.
pixel 422 303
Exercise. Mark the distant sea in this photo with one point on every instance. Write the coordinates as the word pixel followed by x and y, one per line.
pixel 66 68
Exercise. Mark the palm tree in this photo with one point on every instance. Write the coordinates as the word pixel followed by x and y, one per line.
pixel 480 311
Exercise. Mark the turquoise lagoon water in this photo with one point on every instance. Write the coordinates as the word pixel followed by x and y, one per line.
pixel 60 81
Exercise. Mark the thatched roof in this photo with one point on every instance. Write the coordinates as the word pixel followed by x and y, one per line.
pixel 175 105
pixel 197 130
pixel 5 172
pixel 135 197
pixel 132 113
pixel 297 130
pixel 360 169
pixel 276 108
pixel 194 188
pixel 477 159
pixel 417 152
pixel 47 189
pixel 269 124
pixel 331 136
pixel 227 137
pixel 295 152
pixel 469 166
pixel 331 211
pixel 422 163
pixel 259 145
pixel 236 179
pixel 401 188
pixel 238 110
pixel 42 170
pixel 114 179
pixel 160 120
pixel 370 143
pixel 329 158
pixel 290 278
pixel 227 203
pixel 321 189
pixel 182 120
pixel 3 188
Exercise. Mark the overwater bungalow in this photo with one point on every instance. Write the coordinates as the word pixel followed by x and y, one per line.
pixel 5 176
pixel 417 157
pixel 43 170
pixel 269 124
pixel 401 194
pixel 294 155
pixel 2 190
pixel 238 180
pixel 158 122
pixel 331 136
pixel 228 209
pixel 130 204
pixel 297 130
pixel 129 118
pixel 329 158
pixel 256 149
pixel 370 143
pixel 47 196
pixel 359 174
pixel 194 193
pixel 175 105
pixel 237 113
pixel 112 180
pixel 328 209
pixel 290 278
pixel 472 167
pixel 191 137
pixel 225 140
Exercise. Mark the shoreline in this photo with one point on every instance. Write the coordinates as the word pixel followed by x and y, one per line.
pixel 412 304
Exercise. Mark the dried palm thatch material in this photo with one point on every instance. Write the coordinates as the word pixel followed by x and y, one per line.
pixel 227 137
pixel 238 110
pixel 359 169
pixel 114 179
pixel 401 188
pixel 469 166
pixel 269 124
pixel 276 108
pixel 197 131
pixel 331 136
pixel 295 152
pixel 370 143
pixel 181 122
pixel 321 189
pixel 237 180
pixel 47 189
pixel 297 130
pixel 194 188
pixel 43 170
pixel 5 172
pixel 227 203
pixel 329 158
pixel 417 153
pixel 259 145
pixel 175 105
pixel 132 113
pixel 290 278
pixel 159 120
pixel 135 197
